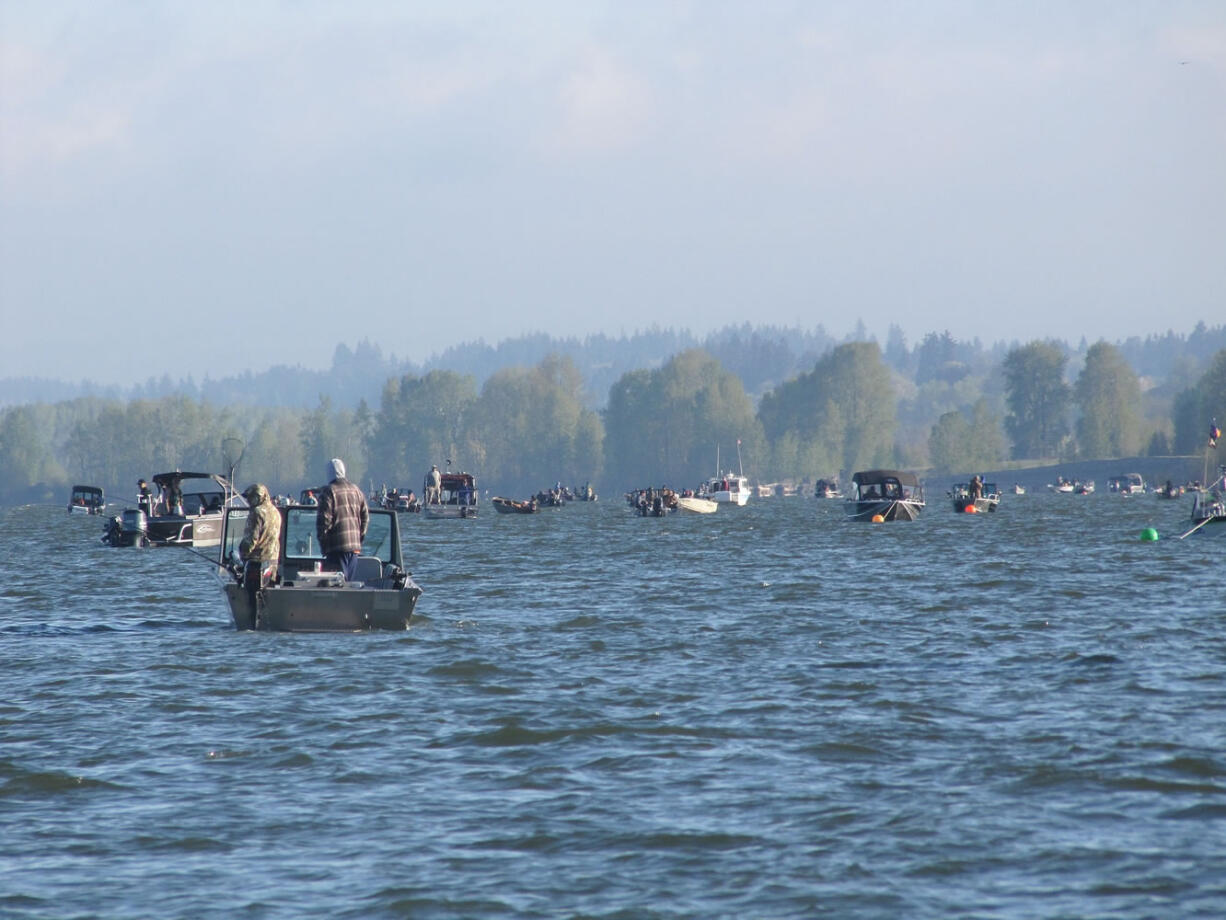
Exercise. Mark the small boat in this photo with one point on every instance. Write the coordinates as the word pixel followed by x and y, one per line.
pixel 1169 491
pixel 306 598
pixel 1019 489
pixel 765 489
pixel 1128 484
pixel 510 506
pixel 827 488
pixel 86 500
pixel 457 498
pixel 1209 507
pixel 188 512
pixel 964 498
pixel 696 505
pixel 885 495
pixel 1062 485
pixel 730 489
pixel 1084 488
pixel 652 502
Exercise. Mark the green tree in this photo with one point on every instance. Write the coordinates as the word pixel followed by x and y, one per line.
pixel 1196 407
pixel 666 426
pixel 958 444
pixel 842 413
pixel 1108 393
pixel 535 428
pixel 424 421
pixel 947 444
pixel 1037 398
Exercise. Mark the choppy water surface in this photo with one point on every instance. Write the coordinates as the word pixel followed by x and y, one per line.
pixel 767 712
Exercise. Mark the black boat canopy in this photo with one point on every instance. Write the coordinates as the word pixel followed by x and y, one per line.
pixel 879 477
pixel 87 490
pixel 165 479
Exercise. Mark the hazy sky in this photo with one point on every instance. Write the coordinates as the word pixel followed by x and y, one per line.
pixel 207 187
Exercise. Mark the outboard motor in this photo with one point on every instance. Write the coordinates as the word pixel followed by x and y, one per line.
pixel 134 528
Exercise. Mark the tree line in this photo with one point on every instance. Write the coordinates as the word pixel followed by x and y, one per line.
pixel 527 427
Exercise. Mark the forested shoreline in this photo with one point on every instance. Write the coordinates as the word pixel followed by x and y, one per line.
pixel 653 408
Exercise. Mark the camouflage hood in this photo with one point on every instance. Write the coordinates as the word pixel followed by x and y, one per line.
pixel 256 494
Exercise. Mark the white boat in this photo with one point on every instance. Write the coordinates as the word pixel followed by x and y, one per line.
pixel 697 505
pixel 1084 488
pixel 727 488
pixel 304 597
pixel 730 489
pixel 1019 489
pixel 885 495
pixel 1062 485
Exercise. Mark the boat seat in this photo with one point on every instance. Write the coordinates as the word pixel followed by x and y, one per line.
pixel 368 570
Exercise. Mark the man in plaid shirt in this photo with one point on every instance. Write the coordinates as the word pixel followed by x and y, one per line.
pixel 342 520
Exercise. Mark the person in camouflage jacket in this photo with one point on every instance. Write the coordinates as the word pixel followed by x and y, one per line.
pixel 260 548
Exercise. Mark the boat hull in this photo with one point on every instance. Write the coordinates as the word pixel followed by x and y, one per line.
pixel 457 512
pixel 510 506
pixel 697 505
pixel 982 505
pixel 889 510
pixel 343 608
pixel 185 530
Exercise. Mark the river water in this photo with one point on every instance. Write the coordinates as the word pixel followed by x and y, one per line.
pixel 766 712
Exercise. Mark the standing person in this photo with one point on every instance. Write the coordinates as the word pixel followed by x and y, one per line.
pixel 145 501
pixel 260 548
pixel 342 520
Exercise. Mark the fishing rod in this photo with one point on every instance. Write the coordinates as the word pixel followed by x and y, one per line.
pixel 229 565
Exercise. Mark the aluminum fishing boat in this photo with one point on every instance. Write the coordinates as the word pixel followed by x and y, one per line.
pixel 305 596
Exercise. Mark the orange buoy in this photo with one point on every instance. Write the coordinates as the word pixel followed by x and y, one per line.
pixel 878 519
pixel 970 509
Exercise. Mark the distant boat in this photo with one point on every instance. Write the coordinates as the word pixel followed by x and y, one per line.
pixel 887 495
pixel 987 500
pixel 827 488
pixel 1019 489
pixel 696 505
pixel 457 497
pixel 86 500
pixel 1209 507
pixel 1128 484
pixel 510 506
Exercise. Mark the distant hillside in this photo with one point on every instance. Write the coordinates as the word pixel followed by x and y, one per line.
pixel 762 356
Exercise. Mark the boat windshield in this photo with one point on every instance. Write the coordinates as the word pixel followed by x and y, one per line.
pixel 301 545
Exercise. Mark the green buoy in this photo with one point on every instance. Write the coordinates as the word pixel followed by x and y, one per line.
pixel 1149 534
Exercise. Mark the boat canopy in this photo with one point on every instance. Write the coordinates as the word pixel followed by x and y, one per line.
pixel 880 477
pixel 176 478
pixel 85 491
pixel 453 482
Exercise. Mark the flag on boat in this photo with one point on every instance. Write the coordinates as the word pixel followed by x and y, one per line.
pixel 1214 433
